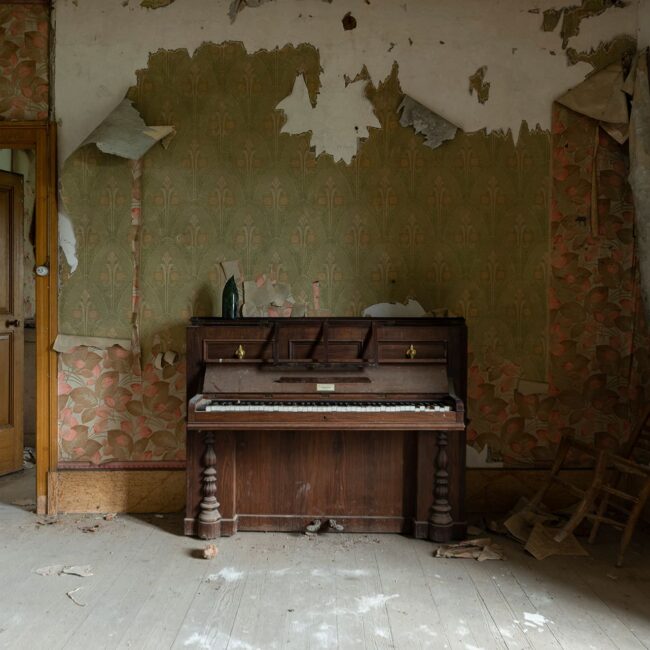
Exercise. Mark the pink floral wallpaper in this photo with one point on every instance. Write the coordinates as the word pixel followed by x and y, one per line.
pixel 24 52
pixel 109 410
pixel 598 341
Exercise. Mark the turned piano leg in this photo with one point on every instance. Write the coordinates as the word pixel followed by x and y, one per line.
pixel 209 520
pixel 440 521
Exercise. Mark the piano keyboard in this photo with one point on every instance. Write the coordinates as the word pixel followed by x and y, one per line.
pixel 301 406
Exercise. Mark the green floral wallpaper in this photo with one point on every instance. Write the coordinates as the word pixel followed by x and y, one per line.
pixel 463 227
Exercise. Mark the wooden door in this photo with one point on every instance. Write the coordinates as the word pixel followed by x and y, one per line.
pixel 11 322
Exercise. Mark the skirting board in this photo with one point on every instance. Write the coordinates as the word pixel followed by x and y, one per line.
pixel 140 491
pixel 136 491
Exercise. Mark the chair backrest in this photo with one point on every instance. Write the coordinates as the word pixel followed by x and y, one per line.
pixel 638 446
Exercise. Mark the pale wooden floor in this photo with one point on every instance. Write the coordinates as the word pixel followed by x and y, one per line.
pixel 149 590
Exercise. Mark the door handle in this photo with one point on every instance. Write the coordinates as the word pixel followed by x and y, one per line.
pixel 12 323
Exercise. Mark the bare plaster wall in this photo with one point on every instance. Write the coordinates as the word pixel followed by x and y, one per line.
pixel 438 46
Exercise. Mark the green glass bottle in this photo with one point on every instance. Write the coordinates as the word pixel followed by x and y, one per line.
pixel 230 299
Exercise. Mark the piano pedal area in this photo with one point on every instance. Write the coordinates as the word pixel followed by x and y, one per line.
pixel 320 526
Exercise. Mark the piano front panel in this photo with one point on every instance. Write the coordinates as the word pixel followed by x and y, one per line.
pixel 322 473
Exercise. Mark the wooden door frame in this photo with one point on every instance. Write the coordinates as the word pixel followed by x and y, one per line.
pixel 40 136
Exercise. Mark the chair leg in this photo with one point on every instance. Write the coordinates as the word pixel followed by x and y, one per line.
pixel 631 522
pixel 587 502
pixel 558 462
pixel 602 508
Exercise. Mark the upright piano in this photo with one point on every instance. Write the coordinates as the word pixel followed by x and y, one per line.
pixel 355 424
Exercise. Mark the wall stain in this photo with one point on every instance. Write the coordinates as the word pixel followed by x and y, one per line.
pixel 155 4
pixel 349 22
pixel 551 19
pixel 477 83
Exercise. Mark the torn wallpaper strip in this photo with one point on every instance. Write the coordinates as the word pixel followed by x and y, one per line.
pixel 123 133
pixel 640 171
pixel 601 96
pixel 436 129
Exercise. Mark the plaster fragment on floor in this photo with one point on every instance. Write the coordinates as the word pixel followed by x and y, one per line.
pixel 535 620
pixel 368 603
pixel 229 574
pixel 70 595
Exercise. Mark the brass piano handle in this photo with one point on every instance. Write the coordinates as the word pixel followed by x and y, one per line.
pixel 240 353
pixel 411 352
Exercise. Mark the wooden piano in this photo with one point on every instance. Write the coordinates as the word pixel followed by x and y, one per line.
pixel 355 423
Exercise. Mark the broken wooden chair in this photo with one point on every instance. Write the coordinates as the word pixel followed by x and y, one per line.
pixel 621 482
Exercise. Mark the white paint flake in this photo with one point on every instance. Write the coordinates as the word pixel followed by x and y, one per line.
pixel 341 116
pixel 229 574
pixel 216 639
pixel 535 620
pixel 427 630
pixel 368 603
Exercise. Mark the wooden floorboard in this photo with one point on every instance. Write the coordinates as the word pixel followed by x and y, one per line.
pixel 152 590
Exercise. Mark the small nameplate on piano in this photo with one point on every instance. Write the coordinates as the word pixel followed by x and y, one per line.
pixel 325 388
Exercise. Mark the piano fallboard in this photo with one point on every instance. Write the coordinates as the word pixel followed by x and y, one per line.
pixel 295 420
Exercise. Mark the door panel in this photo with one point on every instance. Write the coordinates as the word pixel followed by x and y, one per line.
pixel 5 254
pixel 11 322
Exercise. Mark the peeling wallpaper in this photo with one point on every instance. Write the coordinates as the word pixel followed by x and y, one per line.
pixel 437 46
pixel 24 37
pixel 462 227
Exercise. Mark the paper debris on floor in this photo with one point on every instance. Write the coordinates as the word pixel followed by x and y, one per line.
pixel 520 524
pixel 81 571
pixel 480 549
pixel 90 529
pixel 70 595
pixel 541 543
pixel 536 531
